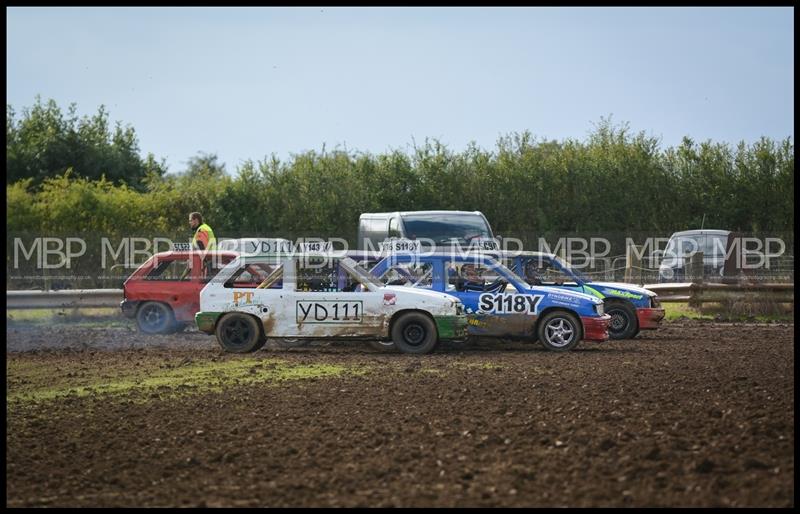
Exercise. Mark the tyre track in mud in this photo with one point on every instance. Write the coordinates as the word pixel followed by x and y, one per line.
pixel 694 414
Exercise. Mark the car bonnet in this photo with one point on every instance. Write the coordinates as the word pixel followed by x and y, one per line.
pixel 624 287
pixel 564 292
pixel 418 291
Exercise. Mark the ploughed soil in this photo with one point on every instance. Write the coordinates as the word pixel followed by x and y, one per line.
pixel 694 414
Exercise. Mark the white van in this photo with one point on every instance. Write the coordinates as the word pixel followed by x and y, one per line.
pixel 441 227
pixel 682 245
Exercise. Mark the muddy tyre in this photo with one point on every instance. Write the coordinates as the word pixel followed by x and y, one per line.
pixel 414 333
pixel 155 318
pixel 559 331
pixel 624 323
pixel 239 333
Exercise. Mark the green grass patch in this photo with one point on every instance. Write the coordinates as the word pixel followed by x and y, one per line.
pixel 676 311
pixel 26 382
pixel 722 312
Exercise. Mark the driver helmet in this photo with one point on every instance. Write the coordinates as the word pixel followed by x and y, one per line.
pixel 534 270
pixel 469 272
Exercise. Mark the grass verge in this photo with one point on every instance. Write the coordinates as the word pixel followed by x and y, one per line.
pixel 722 312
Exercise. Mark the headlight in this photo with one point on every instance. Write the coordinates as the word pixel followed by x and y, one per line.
pixel 654 303
pixel 600 309
pixel 459 309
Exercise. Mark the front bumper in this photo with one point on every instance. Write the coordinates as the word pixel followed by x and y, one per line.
pixel 650 318
pixel 595 328
pixel 453 328
pixel 128 308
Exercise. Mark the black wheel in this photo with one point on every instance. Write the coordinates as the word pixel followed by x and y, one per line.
pixel 155 318
pixel 559 331
pixel 623 324
pixel 239 333
pixel 414 332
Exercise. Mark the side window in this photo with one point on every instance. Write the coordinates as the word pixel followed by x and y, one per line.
pixel 274 279
pixel 349 283
pixel 256 275
pixel 452 274
pixel 489 275
pixel 174 270
pixel 410 274
pixel 324 275
pixel 465 276
pixel 316 275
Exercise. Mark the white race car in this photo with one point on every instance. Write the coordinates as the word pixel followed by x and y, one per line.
pixel 308 295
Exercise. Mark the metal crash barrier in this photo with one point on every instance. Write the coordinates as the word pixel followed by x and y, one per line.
pixel 694 293
pixel 67 299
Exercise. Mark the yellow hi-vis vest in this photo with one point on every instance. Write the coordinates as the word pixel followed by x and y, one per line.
pixel 212 241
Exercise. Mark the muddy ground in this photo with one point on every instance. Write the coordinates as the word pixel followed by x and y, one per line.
pixel 695 414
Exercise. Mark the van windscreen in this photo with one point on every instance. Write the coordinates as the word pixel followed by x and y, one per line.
pixel 442 228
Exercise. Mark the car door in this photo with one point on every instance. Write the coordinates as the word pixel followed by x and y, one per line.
pixel 204 268
pixel 170 281
pixel 493 309
pixel 256 288
pixel 329 300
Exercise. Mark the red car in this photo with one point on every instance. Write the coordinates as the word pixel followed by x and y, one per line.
pixel 163 294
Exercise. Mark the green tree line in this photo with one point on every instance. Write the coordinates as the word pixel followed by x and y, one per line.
pixel 70 175
pixel 44 141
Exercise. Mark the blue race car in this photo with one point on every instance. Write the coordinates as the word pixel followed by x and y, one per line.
pixel 499 303
pixel 631 308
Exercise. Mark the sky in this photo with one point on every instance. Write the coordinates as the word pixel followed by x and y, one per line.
pixel 246 83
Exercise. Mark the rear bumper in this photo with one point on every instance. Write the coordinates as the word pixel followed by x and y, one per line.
pixel 453 328
pixel 650 318
pixel 128 308
pixel 596 328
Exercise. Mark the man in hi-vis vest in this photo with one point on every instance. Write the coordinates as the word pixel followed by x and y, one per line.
pixel 203 235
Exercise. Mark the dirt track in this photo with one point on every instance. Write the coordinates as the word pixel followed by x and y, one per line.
pixel 694 414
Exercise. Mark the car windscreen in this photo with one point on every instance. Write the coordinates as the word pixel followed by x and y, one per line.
pixel 682 246
pixel 511 274
pixel 568 269
pixel 442 228
pixel 498 268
